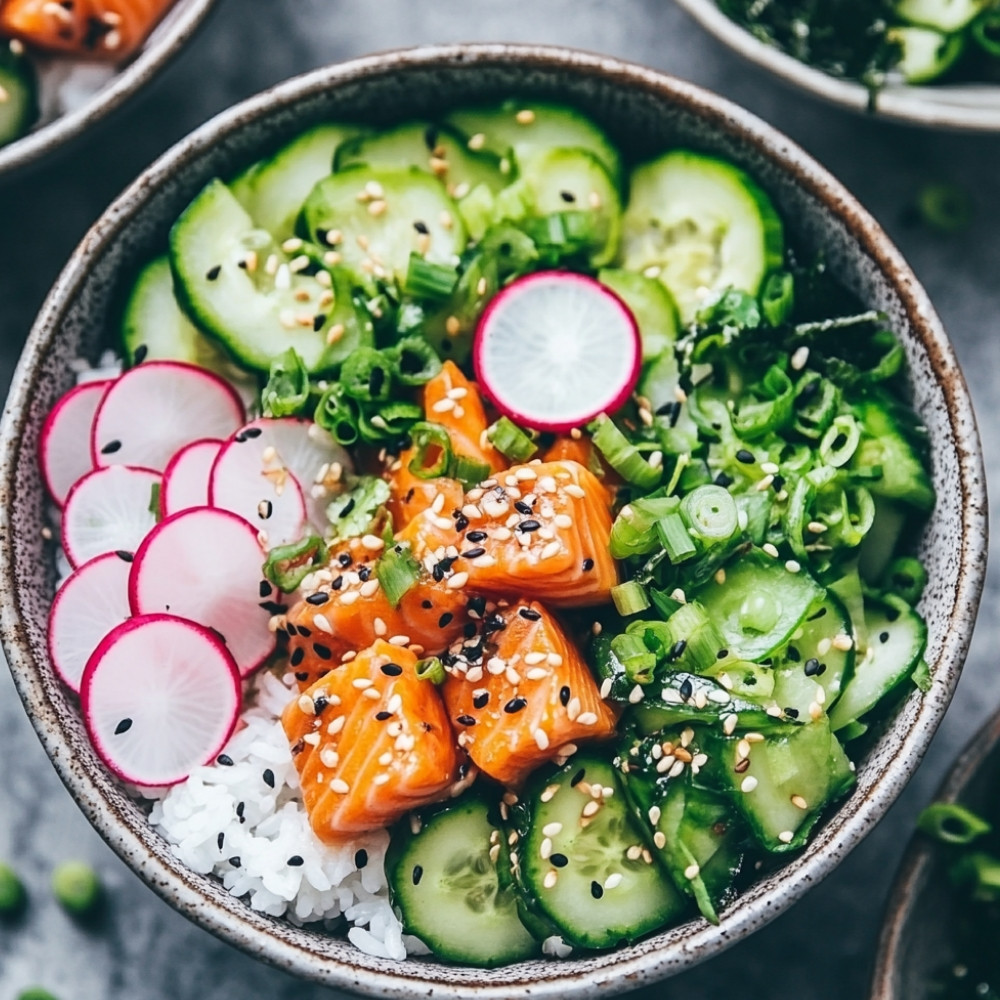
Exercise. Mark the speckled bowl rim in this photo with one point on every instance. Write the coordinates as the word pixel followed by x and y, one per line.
pixel 165 42
pixel 653 958
pixel 915 870
pixel 959 108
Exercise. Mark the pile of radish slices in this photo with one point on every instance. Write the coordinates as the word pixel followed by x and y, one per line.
pixel 170 501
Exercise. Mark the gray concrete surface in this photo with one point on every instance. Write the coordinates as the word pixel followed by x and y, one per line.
pixel 823 948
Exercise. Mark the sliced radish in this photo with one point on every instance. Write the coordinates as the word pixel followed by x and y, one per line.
pixel 160 697
pixel 109 510
pixel 205 564
pixel 554 349
pixel 64 447
pixel 185 479
pixel 92 602
pixel 153 410
pixel 281 462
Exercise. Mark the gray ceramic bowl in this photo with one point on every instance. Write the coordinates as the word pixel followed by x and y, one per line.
pixel 645 112
pixel 166 40
pixel 969 107
pixel 912 946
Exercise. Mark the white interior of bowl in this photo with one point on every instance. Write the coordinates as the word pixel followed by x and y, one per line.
pixel 969 106
pixel 645 112
pixel 176 27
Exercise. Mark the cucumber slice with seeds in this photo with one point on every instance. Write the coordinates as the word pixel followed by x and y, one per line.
pixel 654 310
pixel 376 217
pixel 451 884
pixel 942 15
pixel 926 54
pixel 701 225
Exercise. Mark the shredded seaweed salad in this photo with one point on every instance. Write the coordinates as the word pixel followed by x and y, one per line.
pixel 874 41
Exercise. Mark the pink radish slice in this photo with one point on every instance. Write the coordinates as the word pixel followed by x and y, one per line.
pixel 554 349
pixel 153 410
pixel 64 447
pixel 109 510
pixel 92 602
pixel 161 696
pixel 205 564
pixel 185 479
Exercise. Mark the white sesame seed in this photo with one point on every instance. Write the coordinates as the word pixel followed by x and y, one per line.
pixel 816 527
pixel 660 839
pixel 590 809
pixel 677 769
pixel 800 358
pixel 606 686
pixel 823 646
pixel 537 674
pixel 340 786
pixel 306 705
pixel 551 877
pixel 786 836
pixel 613 880
pixel 748 784
pixel 336 725
pixel 541 739
pixel 554 660
pixel 799 802
pixel 372 543
pixel 312 739
pixel 729 723
pixel 399 640
pixel 770 549
pixel 549 793
pixel 842 642
pixel 573 708
pixel 587 718
pixel 329 757
pixel 636 694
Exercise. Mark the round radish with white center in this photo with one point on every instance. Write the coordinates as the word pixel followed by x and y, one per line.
pixel 92 602
pixel 281 462
pixel 205 565
pixel 156 408
pixel 64 445
pixel 109 510
pixel 185 479
pixel 554 349
pixel 161 696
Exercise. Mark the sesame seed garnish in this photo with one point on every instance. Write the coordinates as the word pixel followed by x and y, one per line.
pixel 636 695
pixel 525 117
pixel 793 566
pixel 660 839
pixel 748 784
pixel 770 549
pixel 336 725
pixel 457 581
pixel 590 809
pixel 800 358
pixel 745 457
pixel 786 836
pixel 339 786
pixel 816 527
pixel 551 877
pixel 842 642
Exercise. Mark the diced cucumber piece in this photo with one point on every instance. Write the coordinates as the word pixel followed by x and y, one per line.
pixel 237 285
pixel 879 544
pixel 943 15
pixel 529 128
pixel 654 310
pixel 884 444
pixel 434 148
pixel 926 53
pixel 153 320
pixel 376 217
pixel 785 782
pixel 451 884
pixel 273 190
pixel 759 604
pixel 819 654
pixel 573 861
pixel 19 87
pixel 701 225
pixel 897 637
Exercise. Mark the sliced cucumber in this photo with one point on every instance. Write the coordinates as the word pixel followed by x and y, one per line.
pixel 375 218
pixel 884 444
pixel 879 544
pixel 759 604
pixel 258 309
pixel 272 191
pixel 816 656
pixel 18 94
pixel 897 637
pixel 926 54
pixel 451 884
pixel 654 310
pixel 434 148
pixel 573 864
pixel 785 782
pixel 942 15
pixel 701 225
pixel 530 128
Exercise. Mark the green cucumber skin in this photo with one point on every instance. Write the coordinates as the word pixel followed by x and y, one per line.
pixel 19 111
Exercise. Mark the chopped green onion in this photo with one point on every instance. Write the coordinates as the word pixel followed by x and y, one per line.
pixel 634 530
pixel 415 361
pixel 663 602
pixel 397 572
pixel 945 208
pixel 907 578
pixel 980 873
pixel 710 512
pixel 770 410
pixel 154 500
pixel 674 537
pixel 986 32
pixel 426 279
pixel 353 513
pixel 477 210
pixel 287 390
pixel 622 455
pixel 633 654
pixel 367 375
pixel 511 441
pixel 431 669
pixel 630 598
pixel 338 415
pixel 838 322
pixel 816 403
pixel 840 441
pixel 12 894
pixel 778 297
pixel 921 676
pixel 432 446
pixel 387 421
pixel 468 471
pixel 694 640
pixel 76 887
pixel 951 823
pixel 288 565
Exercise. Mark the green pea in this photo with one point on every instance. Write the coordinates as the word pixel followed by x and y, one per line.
pixel 12 894
pixel 77 887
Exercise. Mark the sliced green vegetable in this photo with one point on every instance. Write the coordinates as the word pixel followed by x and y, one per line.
pixel 288 565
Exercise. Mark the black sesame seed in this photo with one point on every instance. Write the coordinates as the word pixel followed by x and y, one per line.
pixel 811 667
pixel 319 703
pixel 474 553
pixel 596 890
pixel 722 654
pixel 337 584
pixel 320 597
pixel 271 607
pixel 383 716
pixel 319 321
pixel 577 778
pixel 819 614
pixel 883 637
pixel 298 655
pixel 265 509
pixel 746 457
pixel 476 536
pixel 250 433
pixel 530 525
pixel 111 447
pixel 220 840
pixel 124 555
pixel 347 508
pixel 515 705
pixel 344 559
pixel 564 694
pixel 303 630
pixel 465 720
pixel 567 196
pixel 123 727
pixel 677 649
pixel 476 605
pixel 686 689
pixel 364 573
pixel 426 605
pixel 235 861
pixel 445 620
pixel 360 858
pixel 461 521
pixel 418 872
pixel 792 713
pixel 391 669
pixel 778 483
pixel 559 860
pixel 530 613
pixel 213 272
pixel 588 565
pixel 421 227
pixel 723 480
pixel 323 652
pixel 376 380
pixel 224 759
pixel 793 654
pixel 240 807
pixel 481 700
pixel 264 588
pixel 268 777
pixel 295 861
pixel 139 354
pixel 523 508
pixel 302 676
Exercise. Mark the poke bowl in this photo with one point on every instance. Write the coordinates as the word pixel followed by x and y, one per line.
pixel 971 105
pixel 59 77
pixel 344 666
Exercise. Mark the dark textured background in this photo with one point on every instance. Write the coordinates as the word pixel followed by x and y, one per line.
pixel 823 948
